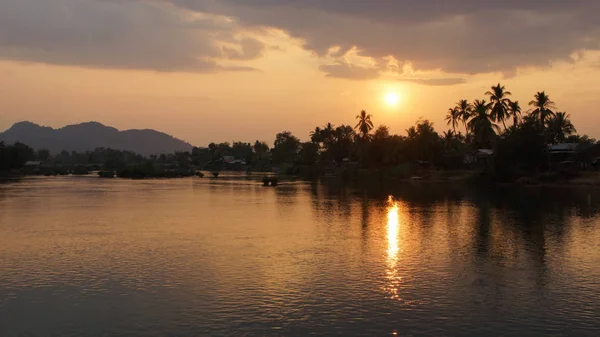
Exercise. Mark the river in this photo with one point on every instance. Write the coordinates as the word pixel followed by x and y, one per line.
pixel 84 256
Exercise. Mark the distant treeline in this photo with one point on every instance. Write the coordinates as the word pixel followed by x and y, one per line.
pixel 520 148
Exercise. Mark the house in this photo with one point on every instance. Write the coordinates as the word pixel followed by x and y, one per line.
pixel 560 156
pixel 479 156
pixel 563 148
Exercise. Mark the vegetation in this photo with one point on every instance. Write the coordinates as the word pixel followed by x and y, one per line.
pixel 518 140
pixel 13 157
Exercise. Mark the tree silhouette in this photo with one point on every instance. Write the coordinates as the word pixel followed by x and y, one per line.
pixel 559 127
pixel 499 103
pixel 481 124
pixel 316 136
pixel 541 107
pixel 450 137
pixel 464 109
pixel 452 118
pixel 514 110
pixel 364 125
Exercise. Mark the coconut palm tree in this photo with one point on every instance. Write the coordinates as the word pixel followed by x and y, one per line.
pixel 316 136
pixel 450 139
pixel 452 118
pixel 481 123
pixel 499 103
pixel 514 110
pixel 411 133
pixel 559 127
pixel 463 108
pixel 364 125
pixel 541 107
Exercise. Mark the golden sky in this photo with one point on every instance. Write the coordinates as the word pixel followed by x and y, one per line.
pixel 224 70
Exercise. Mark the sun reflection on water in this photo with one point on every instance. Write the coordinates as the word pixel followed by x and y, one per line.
pixel 393 224
pixel 392 229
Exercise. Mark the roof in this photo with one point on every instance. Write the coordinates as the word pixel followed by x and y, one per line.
pixel 563 147
pixel 485 152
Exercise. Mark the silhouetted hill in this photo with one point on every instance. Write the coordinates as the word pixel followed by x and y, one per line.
pixel 88 136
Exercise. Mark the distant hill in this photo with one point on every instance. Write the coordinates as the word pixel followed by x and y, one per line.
pixel 91 135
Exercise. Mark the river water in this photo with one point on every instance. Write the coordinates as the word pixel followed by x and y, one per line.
pixel 84 256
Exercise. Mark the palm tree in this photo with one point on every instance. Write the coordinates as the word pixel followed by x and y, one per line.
pixel 411 133
pixel 449 138
pixel 541 107
pixel 364 125
pixel 559 127
pixel 464 108
pixel 499 103
pixel 481 123
pixel 316 136
pixel 514 110
pixel 328 134
pixel 452 118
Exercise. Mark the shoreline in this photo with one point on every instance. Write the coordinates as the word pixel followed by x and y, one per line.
pixel 464 178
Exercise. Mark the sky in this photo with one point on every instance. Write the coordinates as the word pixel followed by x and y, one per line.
pixel 225 70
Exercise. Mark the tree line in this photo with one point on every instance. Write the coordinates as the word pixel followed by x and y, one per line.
pixel 480 118
pixel 519 139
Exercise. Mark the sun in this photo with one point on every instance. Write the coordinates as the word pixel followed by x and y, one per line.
pixel 392 98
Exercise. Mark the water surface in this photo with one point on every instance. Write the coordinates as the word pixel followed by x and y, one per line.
pixel 83 256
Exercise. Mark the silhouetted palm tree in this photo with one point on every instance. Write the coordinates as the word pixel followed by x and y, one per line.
pixel 452 118
pixel 481 123
pixel 559 127
pixel 514 110
pixel 411 133
pixel 450 138
pixel 364 125
pixel 541 107
pixel 316 136
pixel 499 103
pixel 328 134
pixel 463 108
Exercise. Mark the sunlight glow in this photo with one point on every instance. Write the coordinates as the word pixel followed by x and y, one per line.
pixel 393 223
pixel 392 98
pixel 392 229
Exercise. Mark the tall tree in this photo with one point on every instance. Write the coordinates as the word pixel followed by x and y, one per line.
pixel 514 110
pixel 542 107
pixel 481 124
pixel 364 125
pixel 260 148
pixel 285 148
pixel 316 136
pixel 559 127
pixel 499 103
pixel 328 131
pixel 450 139
pixel 452 118
pixel 464 108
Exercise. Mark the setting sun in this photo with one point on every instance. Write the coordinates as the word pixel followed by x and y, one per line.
pixel 392 98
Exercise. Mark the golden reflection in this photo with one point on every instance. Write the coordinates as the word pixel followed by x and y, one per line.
pixel 393 224
pixel 392 229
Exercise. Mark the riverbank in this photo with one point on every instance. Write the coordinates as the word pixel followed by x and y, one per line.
pixel 395 175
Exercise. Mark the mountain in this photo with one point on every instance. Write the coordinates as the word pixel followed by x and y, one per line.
pixel 91 135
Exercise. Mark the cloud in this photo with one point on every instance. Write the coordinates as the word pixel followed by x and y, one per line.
pixel 349 71
pixel 461 36
pixel 128 34
pixel 435 81
pixel 246 49
pixel 451 36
